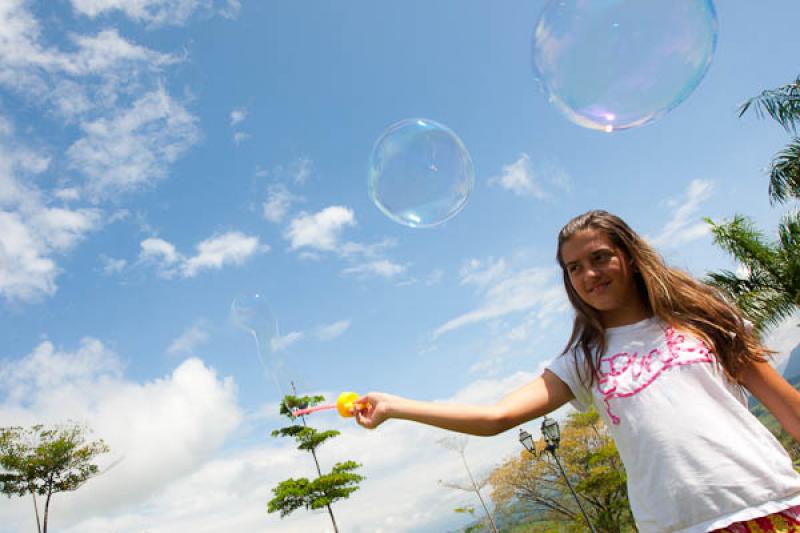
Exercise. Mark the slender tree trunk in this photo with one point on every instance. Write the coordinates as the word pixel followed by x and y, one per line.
pixel 36 510
pixel 316 463
pixel 478 492
pixel 46 510
pixel 319 473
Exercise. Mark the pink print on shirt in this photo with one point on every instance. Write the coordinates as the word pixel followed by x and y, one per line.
pixel 626 374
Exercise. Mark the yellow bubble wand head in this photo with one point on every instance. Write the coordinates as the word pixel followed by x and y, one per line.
pixel 345 405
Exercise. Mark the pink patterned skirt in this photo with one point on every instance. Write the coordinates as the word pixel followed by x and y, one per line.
pixel 786 521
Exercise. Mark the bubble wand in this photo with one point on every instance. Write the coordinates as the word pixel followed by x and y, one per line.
pixel 345 404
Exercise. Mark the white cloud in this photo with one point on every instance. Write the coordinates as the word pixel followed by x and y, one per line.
pixel 477 272
pixel 381 267
pixel 63 228
pixel 321 230
pixel 685 225
pixel 111 265
pixel 26 270
pixel 325 332
pixel 518 178
pixel 156 12
pixel 526 178
pixel 298 171
pixel 369 260
pixel 230 8
pixel 520 291
pixel 101 69
pixel 134 147
pixel 229 248
pixel 238 115
pixel 188 341
pixel 301 169
pixel 67 194
pixel 158 250
pixel 331 331
pixel 232 248
pixel 355 250
pixel 162 430
pixel 175 477
pixel 108 53
pixel 111 87
pixel 32 233
pixel 228 492
pixel 434 278
pixel 46 368
pixel 279 201
pixel 280 343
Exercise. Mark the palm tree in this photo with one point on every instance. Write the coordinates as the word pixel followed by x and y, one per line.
pixel 783 105
pixel 767 287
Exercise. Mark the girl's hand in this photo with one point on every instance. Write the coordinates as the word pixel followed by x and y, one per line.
pixel 372 410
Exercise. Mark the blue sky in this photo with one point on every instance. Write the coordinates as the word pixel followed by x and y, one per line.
pixel 160 157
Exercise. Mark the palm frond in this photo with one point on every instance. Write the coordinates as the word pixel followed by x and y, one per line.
pixel 769 290
pixel 755 295
pixel 743 241
pixel 782 104
pixel 784 173
pixel 771 312
pixel 789 241
pixel 738 285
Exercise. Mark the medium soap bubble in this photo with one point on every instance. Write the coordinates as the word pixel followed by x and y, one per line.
pixel 618 64
pixel 420 173
pixel 251 312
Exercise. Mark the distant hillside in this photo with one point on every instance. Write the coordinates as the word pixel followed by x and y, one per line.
pixel 766 418
pixel 792 369
pixel 763 414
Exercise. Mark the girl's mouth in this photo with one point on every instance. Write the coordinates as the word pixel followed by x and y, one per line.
pixel 600 287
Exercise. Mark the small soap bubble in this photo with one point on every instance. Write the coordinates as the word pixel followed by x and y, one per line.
pixel 616 64
pixel 420 173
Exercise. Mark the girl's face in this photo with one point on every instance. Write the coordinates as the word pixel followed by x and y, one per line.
pixel 602 276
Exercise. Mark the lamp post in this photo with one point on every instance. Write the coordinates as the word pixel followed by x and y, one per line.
pixel 552 439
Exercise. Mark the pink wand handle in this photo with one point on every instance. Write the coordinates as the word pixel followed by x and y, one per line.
pixel 308 410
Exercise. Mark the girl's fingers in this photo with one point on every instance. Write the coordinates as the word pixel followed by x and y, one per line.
pixel 361 420
pixel 364 410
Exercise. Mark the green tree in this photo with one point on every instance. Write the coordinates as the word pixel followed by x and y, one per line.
pixel 590 459
pixel 321 492
pixel 43 461
pixel 767 290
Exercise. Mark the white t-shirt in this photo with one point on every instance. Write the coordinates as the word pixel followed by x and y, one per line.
pixel 696 458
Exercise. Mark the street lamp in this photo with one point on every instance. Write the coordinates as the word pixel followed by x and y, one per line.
pixel 552 439
pixel 527 441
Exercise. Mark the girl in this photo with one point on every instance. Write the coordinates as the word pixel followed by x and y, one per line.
pixel 665 359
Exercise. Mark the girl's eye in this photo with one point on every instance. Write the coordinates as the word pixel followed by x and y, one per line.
pixel 602 257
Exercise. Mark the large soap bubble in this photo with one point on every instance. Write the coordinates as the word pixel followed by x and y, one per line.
pixel 420 173
pixel 251 312
pixel 617 64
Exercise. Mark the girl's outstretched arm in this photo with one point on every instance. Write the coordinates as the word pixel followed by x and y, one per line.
pixel 539 397
pixel 777 395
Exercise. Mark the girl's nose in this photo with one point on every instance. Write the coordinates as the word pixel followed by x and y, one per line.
pixel 590 272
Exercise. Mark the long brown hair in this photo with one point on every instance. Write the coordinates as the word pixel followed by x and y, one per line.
pixel 673 296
